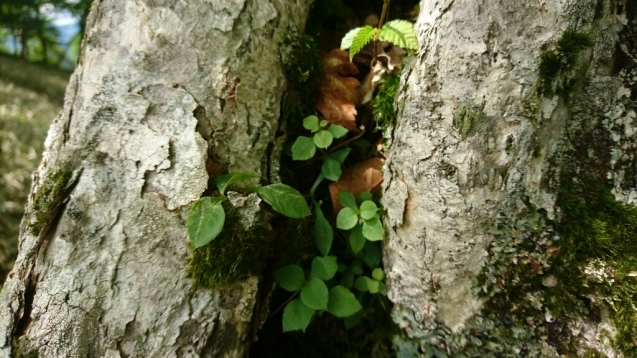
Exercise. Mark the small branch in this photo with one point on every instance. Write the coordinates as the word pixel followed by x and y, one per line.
pixel 381 21
pixel 285 303
pixel 347 141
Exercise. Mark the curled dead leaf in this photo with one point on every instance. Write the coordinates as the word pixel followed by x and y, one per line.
pixel 364 176
pixel 339 92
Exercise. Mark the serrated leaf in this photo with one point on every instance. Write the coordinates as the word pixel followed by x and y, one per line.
pixel 323 139
pixel 347 199
pixel 324 267
pixel 303 148
pixel 290 277
pixel 340 155
pixel 205 220
pixel 323 233
pixel 296 316
pixel 373 229
pixel 223 181
pixel 368 209
pixel 364 35
pixel 346 42
pixel 361 284
pixel 337 131
pixel 315 294
pixel 284 199
pixel 356 239
pixel 400 33
pixel 346 219
pixel 342 302
pixel 311 123
pixel 331 169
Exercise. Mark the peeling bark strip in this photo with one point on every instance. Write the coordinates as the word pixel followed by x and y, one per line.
pixel 160 88
pixel 476 151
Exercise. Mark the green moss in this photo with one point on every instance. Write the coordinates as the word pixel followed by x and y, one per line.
pixel 560 62
pixel 302 64
pixel 20 349
pixel 600 5
pixel 47 195
pixel 235 254
pixel 383 102
pixel 467 121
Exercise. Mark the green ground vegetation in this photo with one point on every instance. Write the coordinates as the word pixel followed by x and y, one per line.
pixel 25 115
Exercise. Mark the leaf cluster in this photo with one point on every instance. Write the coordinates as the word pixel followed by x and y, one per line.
pixel 397 32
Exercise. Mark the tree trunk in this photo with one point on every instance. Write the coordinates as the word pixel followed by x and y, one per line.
pixel 163 91
pixel 502 114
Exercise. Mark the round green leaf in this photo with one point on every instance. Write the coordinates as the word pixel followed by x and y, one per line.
pixel 342 302
pixel 357 270
pixel 337 131
pixel 347 199
pixel 364 196
pixel 373 229
pixel 323 233
pixel 356 239
pixel 324 267
pixel 346 219
pixel 368 210
pixel 205 220
pixel 303 148
pixel 323 123
pixel 314 294
pixel 373 286
pixel 311 123
pixel 290 277
pixel 284 199
pixel 361 283
pixel 378 274
pixel 323 139
pixel 331 169
pixel 296 316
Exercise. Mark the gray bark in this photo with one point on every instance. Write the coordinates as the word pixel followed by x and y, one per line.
pixel 163 90
pixel 444 189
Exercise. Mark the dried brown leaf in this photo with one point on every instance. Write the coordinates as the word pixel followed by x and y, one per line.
pixel 339 93
pixel 364 176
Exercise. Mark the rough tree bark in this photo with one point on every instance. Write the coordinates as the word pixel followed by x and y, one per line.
pixel 162 90
pixel 476 147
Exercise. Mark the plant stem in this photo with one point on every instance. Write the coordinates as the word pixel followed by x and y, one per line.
pixel 381 21
pixel 285 303
pixel 347 141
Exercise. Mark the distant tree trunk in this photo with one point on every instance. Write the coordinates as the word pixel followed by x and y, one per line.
pixel 513 130
pixel 163 91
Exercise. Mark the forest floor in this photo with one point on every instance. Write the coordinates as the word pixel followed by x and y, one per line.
pixel 30 97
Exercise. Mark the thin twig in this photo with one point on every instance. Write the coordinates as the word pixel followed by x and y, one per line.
pixel 285 303
pixel 347 141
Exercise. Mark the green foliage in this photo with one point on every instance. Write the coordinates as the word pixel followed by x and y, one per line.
pixel 284 199
pixel 342 302
pixel 304 147
pixel 314 294
pixel 398 32
pixel 561 61
pixel 383 102
pixel 205 221
pixel 290 277
pixel 357 38
pixel 323 233
pixel 297 316
pixel 224 181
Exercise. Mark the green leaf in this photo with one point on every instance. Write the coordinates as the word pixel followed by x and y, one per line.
pixel 371 255
pixel 303 148
pixel 323 233
pixel 284 199
pixel 365 196
pixel 311 123
pixel 368 209
pixel 382 288
pixel 290 277
pixel 362 38
pixel 323 123
pixel 361 283
pixel 324 267
pixel 296 316
pixel 348 279
pixel 352 320
pixel 205 220
pixel 400 33
pixel 378 274
pixel 342 302
pixel 331 169
pixel 340 155
pixel 347 199
pixel 314 294
pixel 323 139
pixel 373 286
pixel 373 229
pixel 223 181
pixel 356 239
pixel 346 42
pixel 356 268
pixel 346 219
pixel 337 131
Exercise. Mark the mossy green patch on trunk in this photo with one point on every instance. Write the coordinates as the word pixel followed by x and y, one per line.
pixel 467 121
pixel 237 253
pixel 48 195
